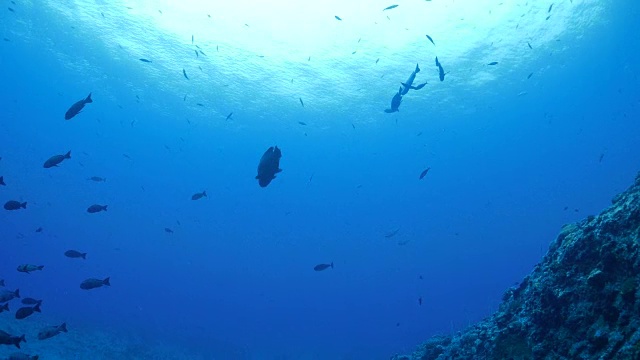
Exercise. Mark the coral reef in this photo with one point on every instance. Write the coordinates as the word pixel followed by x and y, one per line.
pixel 580 302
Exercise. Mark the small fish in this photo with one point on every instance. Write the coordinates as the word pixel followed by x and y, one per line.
pixel 391 234
pixel 378 59
pixel 301 103
pixel 10 9
pixel 309 59
pixel 529 77
pixel 77 107
pixel 196 51
pixel 430 39
pixel 191 39
pixel 97 179
pixel 184 98
pixel 6 295
pixel 420 301
pixel 2 181
pixel 145 60
pixel 202 52
pixel 424 173
pixel 550 7
pixel 31 301
pixel 200 104
pixel 229 116
pixel 302 123
pixel 56 160
pixel 51 331
pixel 5 307
pixel 493 63
pixel 95 208
pixel 15 205
pixel 390 7
pixel 28 268
pixel 338 17
pixel 184 72
pixel 39 230
pixel 198 196
pixel 94 283
pixel 269 166
pixel 548 17
pixel 75 254
pixel 167 230
pixel 529 44
pixel 321 267
pixel 601 157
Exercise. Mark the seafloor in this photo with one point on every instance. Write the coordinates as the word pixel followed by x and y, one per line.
pixel 582 301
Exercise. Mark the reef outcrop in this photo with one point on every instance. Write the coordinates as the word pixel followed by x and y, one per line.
pixel 582 301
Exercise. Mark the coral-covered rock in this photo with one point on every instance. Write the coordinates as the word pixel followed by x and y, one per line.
pixel 580 302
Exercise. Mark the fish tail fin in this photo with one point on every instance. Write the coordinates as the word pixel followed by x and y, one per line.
pixel 68 155
pixel 37 308
pixel 5 307
pixel 105 207
pixel 84 256
pixel 106 281
pixel 23 205
pixel 40 267
pixel 332 264
pixel 88 99
pixel 417 68
pixel 204 193
pixel 63 327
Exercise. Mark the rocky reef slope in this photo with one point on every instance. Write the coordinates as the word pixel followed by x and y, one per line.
pixel 581 302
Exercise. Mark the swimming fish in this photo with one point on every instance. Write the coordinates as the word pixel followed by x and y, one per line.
pixel 321 267
pixel 301 103
pixel 4 307
pixel 269 166
pixel 76 108
pixel 145 60
pixel 2 181
pixel 51 331
pixel 390 7
pixel 338 17
pixel 28 268
pixel 8 339
pixel 75 254
pixel 528 43
pixel 56 159
pixel 31 301
pixel 94 283
pixel 95 208
pixel 6 295
pixel 409 83
pixel 430 39
pixel 199 196
pixel 550 7
pixel 15 205
pixel 424 173
pixel 229 116
pixel 441 72
pixel 391 234
pixel 395 102
pixel 97 179
pixel 530 75
pixel 184 72
pixel 167 230
pixel 493 63
pixel 27 311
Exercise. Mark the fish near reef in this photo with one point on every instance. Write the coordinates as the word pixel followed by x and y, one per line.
pixel 269 166
pixel 25 312
pixel 28 268
pixel 4 307
pixel 8 339
pixel 6 295
pixel 94 283
pixel 95 208
pixel 76 108
pixel 15 205
pixel 55 160
pixel 321 267
pixel 51 331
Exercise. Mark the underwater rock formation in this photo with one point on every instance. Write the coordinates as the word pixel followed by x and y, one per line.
pixel 582 301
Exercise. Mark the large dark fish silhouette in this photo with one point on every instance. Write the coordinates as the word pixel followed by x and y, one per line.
pixel 269 166
pixel 77 107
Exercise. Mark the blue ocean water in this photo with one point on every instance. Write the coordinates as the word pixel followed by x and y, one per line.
pixel 511 159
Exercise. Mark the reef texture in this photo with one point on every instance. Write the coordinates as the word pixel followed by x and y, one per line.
pixel 581 302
